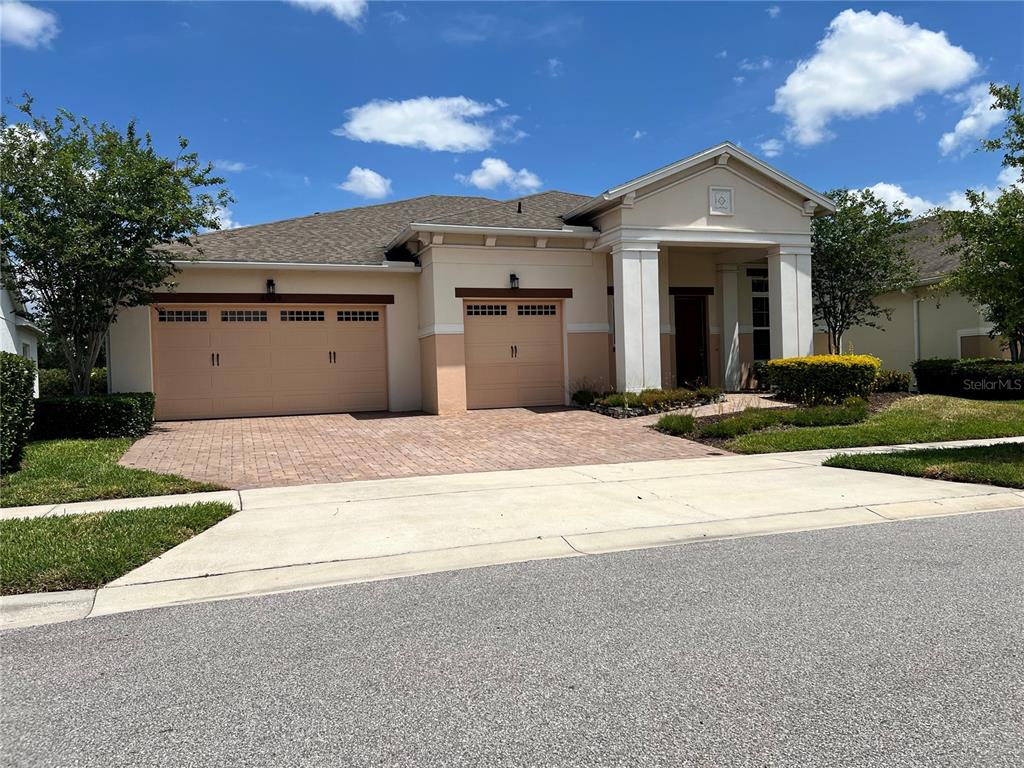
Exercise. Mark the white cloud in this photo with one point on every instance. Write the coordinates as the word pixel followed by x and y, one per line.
pixel 446 123
pixel 722 54
pixel 27 26
pixel 920 115
pixel 554 68
pixel 773 11
pixel 739 79
pixel 366 183
pixel 953 201
pixel 753 65
pixel 349 11
pixel 396 17
pixel 638 134
pixel 771 147
pixel 978 119
pixel 494 173
pixel 231 166
pixel 866 64
pixel 226 218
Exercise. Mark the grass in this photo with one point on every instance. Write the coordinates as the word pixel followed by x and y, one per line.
pixel 991 464
pixel 675 424
pixel 923 419
pixel 61 471
pixel 756 419
pixel 47 554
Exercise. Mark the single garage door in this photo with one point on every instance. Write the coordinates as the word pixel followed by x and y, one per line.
pixel 212 361
pixel 513 354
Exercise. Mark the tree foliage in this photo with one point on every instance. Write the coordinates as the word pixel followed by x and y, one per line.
pixel 858 253
pixel 988 238
pixel 83 208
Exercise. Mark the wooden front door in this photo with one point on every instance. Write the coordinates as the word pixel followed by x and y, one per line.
pixel 691 340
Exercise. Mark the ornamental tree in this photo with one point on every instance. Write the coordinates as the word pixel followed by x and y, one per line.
pixel 83 208
pixel 858 253
pixel 988 238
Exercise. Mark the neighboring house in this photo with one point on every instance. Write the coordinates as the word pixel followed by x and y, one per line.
pixel 925 322
pixel 440 303
pixel 19 335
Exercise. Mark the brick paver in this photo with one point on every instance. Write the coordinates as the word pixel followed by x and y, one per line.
pixel 294 450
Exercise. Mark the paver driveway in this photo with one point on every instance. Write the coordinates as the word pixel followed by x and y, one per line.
pixel 294 450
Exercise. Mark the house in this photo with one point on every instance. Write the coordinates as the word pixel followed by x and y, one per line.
pixel 442 303
pixel 18 335
pixel 925 322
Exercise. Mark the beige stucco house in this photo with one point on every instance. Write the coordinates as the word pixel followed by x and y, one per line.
pixel 925 322
pixel 440 303
pixel 18 334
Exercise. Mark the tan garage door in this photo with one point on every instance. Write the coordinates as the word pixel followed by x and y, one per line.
pixel 212 361
pixel 513 354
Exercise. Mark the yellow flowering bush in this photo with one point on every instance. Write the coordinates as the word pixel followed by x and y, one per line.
pixel 818 379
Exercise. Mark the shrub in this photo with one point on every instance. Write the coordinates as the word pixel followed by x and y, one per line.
pixel 17 392
pixel 126 414
pixel 56 382
pixel 675 424
pixel 760 370
pixel 892 381
pixel 708 395
pixel 584 397
pixel 620 400
pixel 821 379
pixel 852 410
pixel 979 378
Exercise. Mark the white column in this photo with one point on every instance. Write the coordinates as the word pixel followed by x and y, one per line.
pixel 730 327
pixel 791 308
pixel 637 316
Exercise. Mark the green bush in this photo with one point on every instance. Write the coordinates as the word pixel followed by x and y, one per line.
pixel 621 400
pixel 852 411
pixel 17 393
pixel 675 424
pixel 760 369
pixel 977 378
pixel 892 381
pixel 708 395
pixel 584 397
pixel 819 379
pixel 126 414
pixel 56 382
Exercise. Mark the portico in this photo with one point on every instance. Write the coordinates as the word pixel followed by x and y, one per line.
pixel 709 269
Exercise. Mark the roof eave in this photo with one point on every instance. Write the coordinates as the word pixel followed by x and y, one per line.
pixel 468 229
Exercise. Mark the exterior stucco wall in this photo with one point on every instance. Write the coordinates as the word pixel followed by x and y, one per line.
pixel 131 346
pixel 943 321
pixel 8 330
pixel 683 202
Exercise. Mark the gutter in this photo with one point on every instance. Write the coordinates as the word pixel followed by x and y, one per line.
pixel 387 266
pixel 464 229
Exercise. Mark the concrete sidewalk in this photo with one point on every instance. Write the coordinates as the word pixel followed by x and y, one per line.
pixel 306 537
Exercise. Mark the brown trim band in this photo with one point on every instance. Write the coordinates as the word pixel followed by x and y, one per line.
pixel 275 298
pixel 513 293
pixel 695 291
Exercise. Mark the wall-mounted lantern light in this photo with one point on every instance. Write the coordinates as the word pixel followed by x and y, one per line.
pixel 513 280
pixel 271 287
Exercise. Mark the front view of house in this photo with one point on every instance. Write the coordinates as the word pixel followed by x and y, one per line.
pixel 443 303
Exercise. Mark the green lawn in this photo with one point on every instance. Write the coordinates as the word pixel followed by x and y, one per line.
pixel 48 554
pixel 992 464
pixel 922 419
pixel 61 471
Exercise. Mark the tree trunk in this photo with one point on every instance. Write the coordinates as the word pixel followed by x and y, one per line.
pixel 1016 348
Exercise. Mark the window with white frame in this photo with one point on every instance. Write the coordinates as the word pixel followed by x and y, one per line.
pixel 760 313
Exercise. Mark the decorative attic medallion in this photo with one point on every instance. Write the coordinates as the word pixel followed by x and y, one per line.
pixel 721 201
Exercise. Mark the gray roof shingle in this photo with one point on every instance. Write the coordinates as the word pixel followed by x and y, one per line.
pixel 360 235
pixel 928 249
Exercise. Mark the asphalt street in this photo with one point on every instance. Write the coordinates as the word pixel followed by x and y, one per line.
pixel 884 645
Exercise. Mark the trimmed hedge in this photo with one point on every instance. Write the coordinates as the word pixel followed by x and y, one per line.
pixel 125 414
pixel 892 381
pixel 978 378
pixel 823 379
pixel 17 393
pixel 56 382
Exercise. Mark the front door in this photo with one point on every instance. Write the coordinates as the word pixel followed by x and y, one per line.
pixel 691 340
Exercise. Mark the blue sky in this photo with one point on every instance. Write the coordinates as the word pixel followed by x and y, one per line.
pixel 316 105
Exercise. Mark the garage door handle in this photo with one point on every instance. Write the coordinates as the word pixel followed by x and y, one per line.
pixel 218 359
pixel 212 359
pixel 515 350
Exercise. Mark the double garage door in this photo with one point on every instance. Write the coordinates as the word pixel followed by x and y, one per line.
pixel 513 354
pixel 212 361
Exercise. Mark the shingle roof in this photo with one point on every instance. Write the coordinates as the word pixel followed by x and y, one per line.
pixel 350 236
pixel 541 211
pixel 928 249
pixel 360 235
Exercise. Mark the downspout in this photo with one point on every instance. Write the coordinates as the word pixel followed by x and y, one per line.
pixel 916 305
